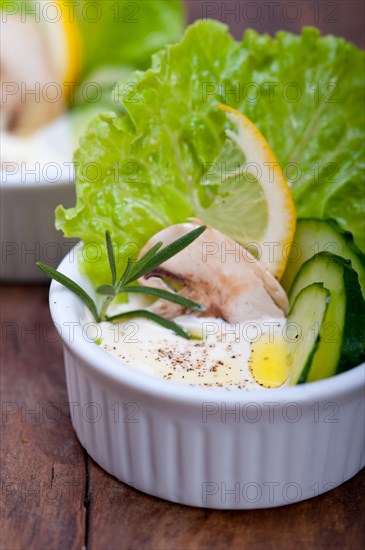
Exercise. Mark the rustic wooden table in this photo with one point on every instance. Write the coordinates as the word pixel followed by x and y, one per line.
pixel 55 497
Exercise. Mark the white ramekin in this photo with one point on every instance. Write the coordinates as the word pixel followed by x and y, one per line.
pixel 27 224
pixel 210 448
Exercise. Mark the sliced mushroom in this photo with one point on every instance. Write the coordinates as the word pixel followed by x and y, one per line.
pixel 217 273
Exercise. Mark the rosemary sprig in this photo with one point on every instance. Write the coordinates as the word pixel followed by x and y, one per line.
pixel 133 271
pixel 152 317
pixel 165 295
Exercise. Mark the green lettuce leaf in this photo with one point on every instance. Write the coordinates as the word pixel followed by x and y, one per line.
pixel 145 169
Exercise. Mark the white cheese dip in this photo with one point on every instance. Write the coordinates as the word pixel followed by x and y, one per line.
pixel 217 355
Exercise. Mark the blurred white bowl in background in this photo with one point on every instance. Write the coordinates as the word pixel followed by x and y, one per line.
pixel 27 223
pixel 37 174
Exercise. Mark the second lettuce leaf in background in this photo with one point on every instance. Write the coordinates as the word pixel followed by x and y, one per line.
pixel 126 35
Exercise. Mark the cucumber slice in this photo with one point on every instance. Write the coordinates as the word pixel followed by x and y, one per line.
pixel 306 319
pixel 313 236
pixel 342 334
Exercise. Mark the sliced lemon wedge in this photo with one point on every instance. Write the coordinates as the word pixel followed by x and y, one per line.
pixel 72 67
pixel 253 203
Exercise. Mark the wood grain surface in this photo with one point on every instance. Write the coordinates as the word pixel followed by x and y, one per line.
pixel 53 496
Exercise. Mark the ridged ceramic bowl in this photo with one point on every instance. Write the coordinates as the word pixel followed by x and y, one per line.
pixel 27 227
pixel 210 448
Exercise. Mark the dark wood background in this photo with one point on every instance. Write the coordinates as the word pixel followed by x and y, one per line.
pixel 340 17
